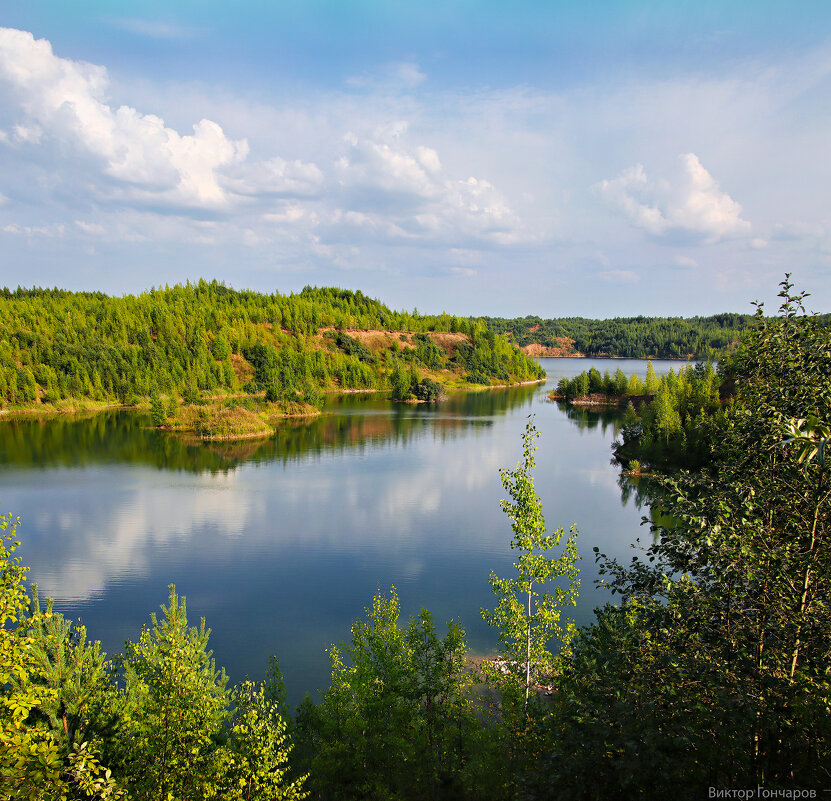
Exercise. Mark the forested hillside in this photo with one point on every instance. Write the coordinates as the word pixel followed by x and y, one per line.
pixel 208 338
pixel 639 337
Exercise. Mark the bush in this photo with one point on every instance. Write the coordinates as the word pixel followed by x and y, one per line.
pixel 428 390
pixel 478 377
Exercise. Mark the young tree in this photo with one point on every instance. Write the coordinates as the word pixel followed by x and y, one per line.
pixel 72 668
pixel 34 759
pixel 395 721
pixel 254 763
pixel 528 620
pixel 399 381
pixel 173 708
pixel 157 410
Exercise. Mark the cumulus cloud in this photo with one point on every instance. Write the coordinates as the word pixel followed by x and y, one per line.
pixel 691 206
pixel 404 192
pixel 379 185
pixel 145 159
pixel 275 177
pixel 67 100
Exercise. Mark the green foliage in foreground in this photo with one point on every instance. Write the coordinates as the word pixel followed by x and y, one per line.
pixel 397 720
pixel 713 671
pixel 187 341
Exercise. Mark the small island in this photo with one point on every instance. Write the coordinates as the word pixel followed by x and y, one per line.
pixel 226 420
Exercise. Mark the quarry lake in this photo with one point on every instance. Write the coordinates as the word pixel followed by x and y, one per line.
pixel 281 543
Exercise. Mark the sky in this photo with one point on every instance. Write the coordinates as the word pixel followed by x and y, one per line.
pixel 595 159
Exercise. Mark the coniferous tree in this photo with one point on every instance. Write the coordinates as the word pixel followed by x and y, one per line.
pixel 172 709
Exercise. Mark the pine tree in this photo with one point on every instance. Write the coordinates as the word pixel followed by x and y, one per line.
pixel 69 666
pixel 174 704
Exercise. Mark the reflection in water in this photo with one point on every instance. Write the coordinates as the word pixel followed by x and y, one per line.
pixel 280 543
pixel 607 418
pixel 638 489
pixel 351 421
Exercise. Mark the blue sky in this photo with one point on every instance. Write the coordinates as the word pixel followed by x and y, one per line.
pixel 595 159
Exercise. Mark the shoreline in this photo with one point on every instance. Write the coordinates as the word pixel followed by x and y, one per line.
pixel 45 412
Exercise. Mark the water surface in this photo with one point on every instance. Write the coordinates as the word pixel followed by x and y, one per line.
pixel 280 544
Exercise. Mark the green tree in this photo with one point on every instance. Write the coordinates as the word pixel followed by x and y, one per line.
pixel 528 620
pixel 157 411
pixel 34 760
pixel 73 670
pixel 400 382
pixel 651 384
pixel 721 643
pixel 254 763
pixel 172 710
pixel 396 721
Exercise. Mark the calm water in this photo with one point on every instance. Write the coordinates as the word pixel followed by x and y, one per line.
pixel 280 544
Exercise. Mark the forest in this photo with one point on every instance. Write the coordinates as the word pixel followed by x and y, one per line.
pixel 635 337
pixel 668 422
pixel 205 339
pixel 707 668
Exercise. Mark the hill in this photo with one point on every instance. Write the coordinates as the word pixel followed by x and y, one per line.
pixel 206 339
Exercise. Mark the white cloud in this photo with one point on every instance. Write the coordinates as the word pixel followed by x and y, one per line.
pixel 619 276
pixel 795 231
pixel 33 133
pixel 66 100
pixel 685 261
pixel 404 192
pixel 95 229
pixel 375 174
pixel 379 185
pixel 691 205
pixel 274 178
pixel 49 231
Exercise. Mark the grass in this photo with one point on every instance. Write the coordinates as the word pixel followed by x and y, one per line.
pixel 235 421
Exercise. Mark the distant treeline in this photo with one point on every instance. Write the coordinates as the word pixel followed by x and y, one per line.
pixel 207 337
pixel 638 337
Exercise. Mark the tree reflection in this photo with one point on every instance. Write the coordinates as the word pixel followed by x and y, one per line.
pixel 348 421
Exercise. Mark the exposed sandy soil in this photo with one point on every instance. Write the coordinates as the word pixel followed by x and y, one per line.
pixel 565 347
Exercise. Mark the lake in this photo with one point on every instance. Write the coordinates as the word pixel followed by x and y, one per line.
pixel 280 544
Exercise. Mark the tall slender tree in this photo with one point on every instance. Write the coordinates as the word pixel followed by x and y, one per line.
pixel 529 619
